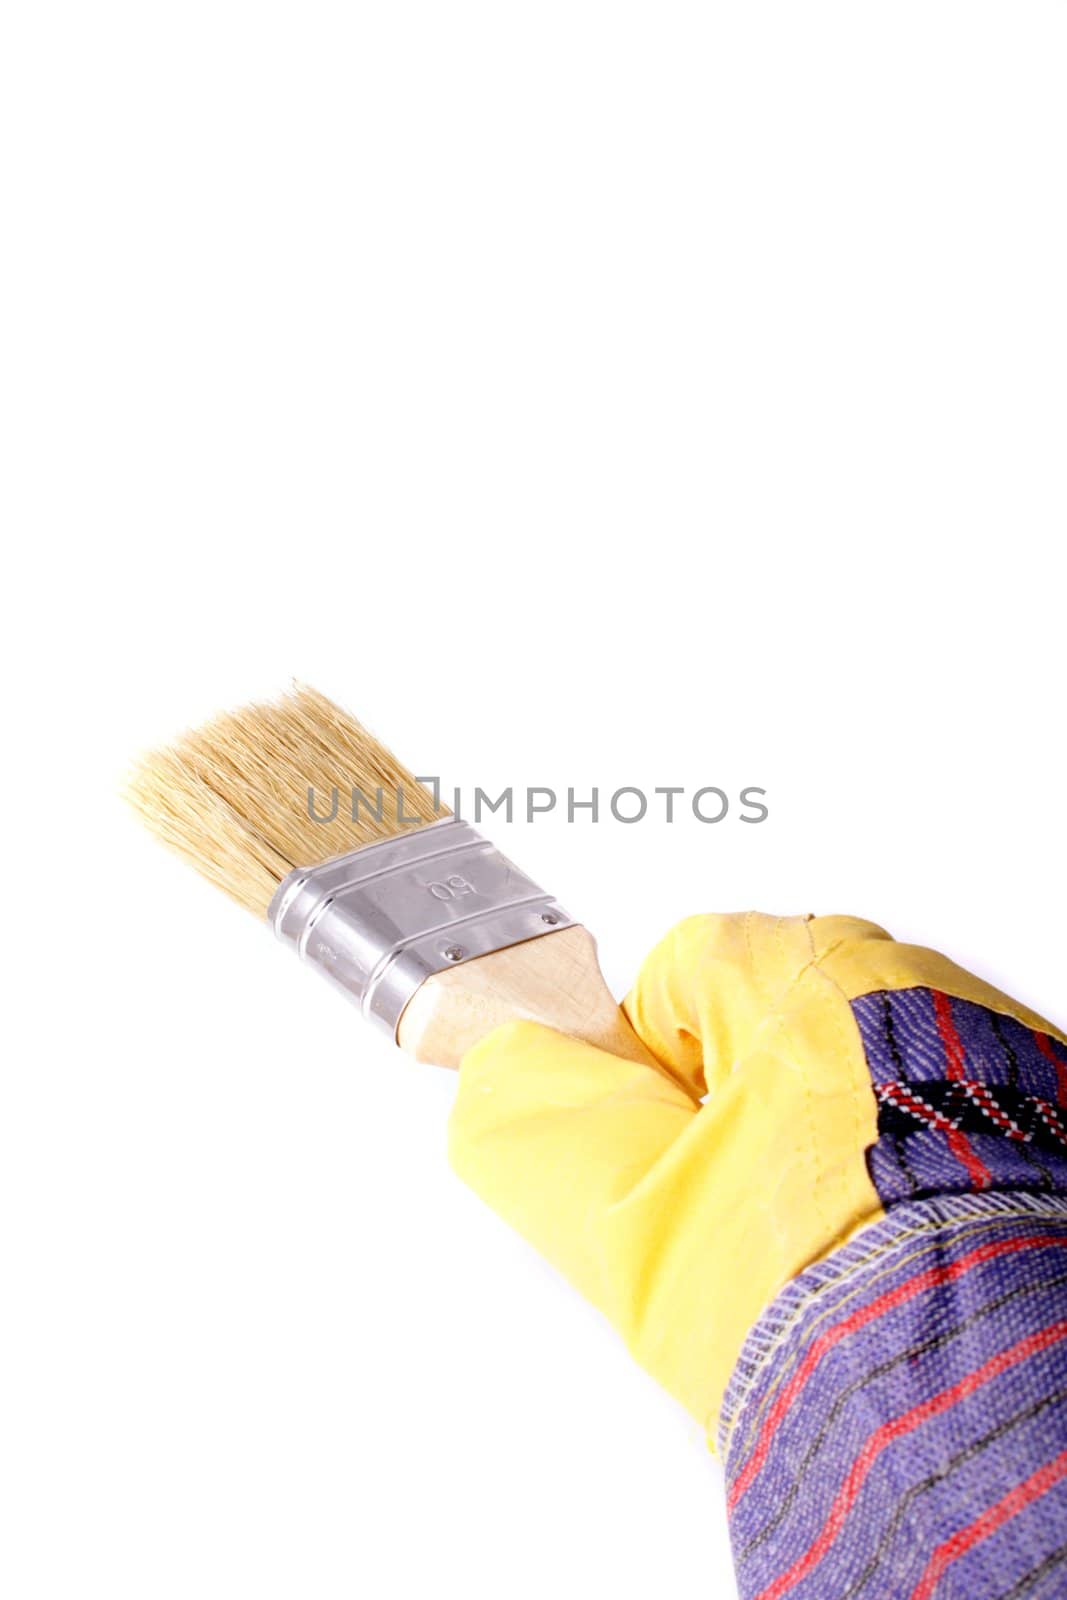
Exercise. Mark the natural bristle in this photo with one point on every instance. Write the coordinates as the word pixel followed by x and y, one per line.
pixel 234 797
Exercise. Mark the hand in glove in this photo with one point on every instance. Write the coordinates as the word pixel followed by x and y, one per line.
pixel 831 1221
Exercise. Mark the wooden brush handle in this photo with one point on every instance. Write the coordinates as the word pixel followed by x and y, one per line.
pixel 555 979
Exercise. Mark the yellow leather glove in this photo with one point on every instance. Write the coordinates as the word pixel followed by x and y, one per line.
pixel 680 1216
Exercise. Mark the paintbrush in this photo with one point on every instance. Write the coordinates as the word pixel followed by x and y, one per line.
pixel 302 816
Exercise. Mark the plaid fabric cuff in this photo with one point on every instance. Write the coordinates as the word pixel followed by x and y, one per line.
pixel 896 1424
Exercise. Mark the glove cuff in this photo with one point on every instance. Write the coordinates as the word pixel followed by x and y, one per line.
pixel 901 1401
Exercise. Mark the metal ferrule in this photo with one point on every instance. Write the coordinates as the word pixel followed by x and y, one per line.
pixel 380 921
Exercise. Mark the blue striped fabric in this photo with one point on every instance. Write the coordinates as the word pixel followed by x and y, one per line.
pixel 896 1426
pixel 942 1049
pixel 901 1036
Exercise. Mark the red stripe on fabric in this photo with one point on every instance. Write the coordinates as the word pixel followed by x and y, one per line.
pixel 946 1027
pixel 976 1169
pixel 1016 1500
pixel 896 1429
pixel 932 1277
pixel 1044 1044
pixel 958 1142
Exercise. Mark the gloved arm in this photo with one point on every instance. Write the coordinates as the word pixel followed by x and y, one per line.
pixel 685 1218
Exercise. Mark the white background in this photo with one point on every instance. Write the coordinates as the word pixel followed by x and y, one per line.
pixel 584 394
